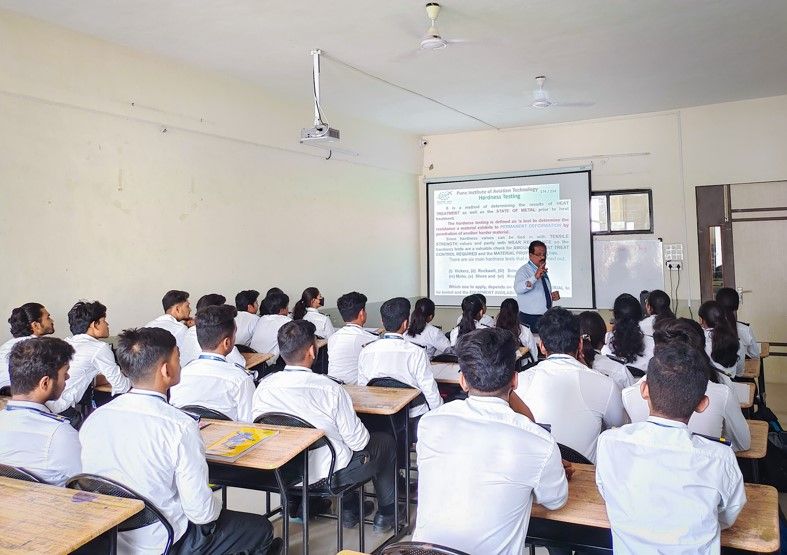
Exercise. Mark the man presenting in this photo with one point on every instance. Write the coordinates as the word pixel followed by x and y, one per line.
pixel 532 287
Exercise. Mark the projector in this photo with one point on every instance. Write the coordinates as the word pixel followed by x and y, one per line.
pixel 319 134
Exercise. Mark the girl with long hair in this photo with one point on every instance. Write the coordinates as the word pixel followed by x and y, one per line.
pixel 593 330
pixel 307 309
pixel 421 332
pixel 626 341
pixel 657 308
pixel 508 319
pixel 721 338
pixel 472 311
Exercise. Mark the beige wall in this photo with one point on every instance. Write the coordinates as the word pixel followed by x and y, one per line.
pixel 98 203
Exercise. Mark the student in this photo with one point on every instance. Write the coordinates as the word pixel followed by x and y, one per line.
pixel 626 341
pixel 593 330
pixel 164 458
pixel 729 300
pixel 344 346
pixel 191 348
pixel 657 308
pixel 721 338
pixel 422 333
pixel 247 303
pixel 271 291
pixel 508 319
pixel 28 320
pixel 177 315
pixel 276 308
pixel 723 416
pixel 393 357
pixel 88 323
pixel 667 490
pixel 31 436
pixel 577 401
pixel 472 311
pixel 480 464
pixel 486 321
pixel 307 309
pixel 326 405
pixel 211 380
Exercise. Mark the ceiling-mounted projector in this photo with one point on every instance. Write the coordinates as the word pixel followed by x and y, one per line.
pixel 321 133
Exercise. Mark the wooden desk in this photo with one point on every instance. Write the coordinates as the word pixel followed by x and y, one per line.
pixel 3 402
pixel 348 552
pixel 757 527
pixel 385 401
pixel 745 393
pixel 751 368
pixel 39 518
pixel 253 359
pixel 765 349
pixel 759 440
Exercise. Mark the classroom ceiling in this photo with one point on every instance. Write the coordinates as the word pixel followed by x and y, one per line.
pixel 623 56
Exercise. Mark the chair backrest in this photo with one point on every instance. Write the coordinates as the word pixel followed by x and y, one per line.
pixel 635 372
pixel 19 474
pixel 149 515
pixel 393 382
pixel 445 357
pixel 419 548
pixel 204 412
pixel 244 349
pixel 568 454
pixel 320 364
pixel 5 391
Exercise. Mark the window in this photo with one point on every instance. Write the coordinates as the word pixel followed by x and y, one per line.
pixel 621 212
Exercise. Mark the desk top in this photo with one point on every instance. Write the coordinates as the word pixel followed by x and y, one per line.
pixel 757 527
pixel 745 393
pixel 751 368
pixel 765 349
pixel 272 453
pixel 253 359
pixel 380 400
pixel 72 518
pixel 759 440
pixel 3 401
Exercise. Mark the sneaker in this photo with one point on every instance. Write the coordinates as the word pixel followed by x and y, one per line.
pixel 350 518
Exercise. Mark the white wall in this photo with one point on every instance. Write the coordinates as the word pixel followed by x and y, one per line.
pixel 97 202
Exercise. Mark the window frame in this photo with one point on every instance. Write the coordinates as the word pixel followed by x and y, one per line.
pixel 619 192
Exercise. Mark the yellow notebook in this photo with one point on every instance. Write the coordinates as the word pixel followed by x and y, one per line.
pixel 236 443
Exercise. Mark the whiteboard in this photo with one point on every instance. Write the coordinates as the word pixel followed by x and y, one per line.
pixel 626 266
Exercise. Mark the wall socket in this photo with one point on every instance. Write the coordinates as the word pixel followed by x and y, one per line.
pixel 673 255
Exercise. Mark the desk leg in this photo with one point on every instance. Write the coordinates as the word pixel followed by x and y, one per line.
pixel 761 380
pixel 305 501
pixel 285 511
pixel 392 418
pixel 406 526
pixel 113 540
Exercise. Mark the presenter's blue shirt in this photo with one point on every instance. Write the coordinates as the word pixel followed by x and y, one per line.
pixel 530 291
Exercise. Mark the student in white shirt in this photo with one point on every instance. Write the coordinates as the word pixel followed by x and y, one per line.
pixel 729 300
pixel 393 357
pixel 721 338
pixel 307 308
pixel 28 320
pixel 276 307
pixel 422 333
pixel 657 308
pixel 666 490
pixel 508 319
pixel 626 341
pixel 248 304
pixel 472 311
pixel 723 416
pixel 344 346
pixel 593 330
pixel 480 464
pixel 561 391
pixel 190 348
pixel 177 316
pixel 264 307
pixel 164 458
pixel 486 321
pixel 88 323
pixel 326 405
pixel 31 436
pixel 211 380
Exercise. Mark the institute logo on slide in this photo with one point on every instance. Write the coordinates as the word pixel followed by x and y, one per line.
pixel 444 195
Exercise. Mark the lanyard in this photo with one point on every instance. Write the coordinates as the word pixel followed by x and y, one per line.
pixel 155 396
pixel 392 336
pixel 212 357
pixel 39 411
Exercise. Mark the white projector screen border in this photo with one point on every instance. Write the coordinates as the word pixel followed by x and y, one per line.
pixel 579 238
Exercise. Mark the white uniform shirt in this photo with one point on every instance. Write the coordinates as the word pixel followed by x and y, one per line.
pixel 486 321
pixel 432 339
pixel 191 350
pixel 177 329
pixel 640 362
pixel 667 491
pixel 578 402
pixel 33 438
pixel 324 404
pixel 748 346
pixel 215 383
pixel 722 418
pixel 614 369
pixel 527 339
pixel 156 450
pixel 480 467
pixel 393 357
pixel 728 370
pixel 454 335
pixel 5 352
pixel 265 338
pixel 245 321
pixel 321 321
pixel 344 348
pixel 91 357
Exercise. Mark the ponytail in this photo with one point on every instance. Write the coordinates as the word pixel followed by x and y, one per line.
pixel 471 306
pixel 659 303
pixel 627 339
pixel 724 337
pixel 593 330
pixel 22 318
pixel 508 318
pixel 424 308
pixel 299 310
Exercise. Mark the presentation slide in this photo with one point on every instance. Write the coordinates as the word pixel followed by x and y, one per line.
pixel 480 228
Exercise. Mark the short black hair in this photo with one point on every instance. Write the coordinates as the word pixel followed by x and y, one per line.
pixel 140 351
pixel 215 323
pixel 728 298
pixel 211 299
pixel 350 305
pixel 532 249
pixel 246 298
pixel 22 318
pixel 173 297
pixel 84 313
pixel 393 312
pixel 32 359
pixel 559 331
pixel 487 358
pixel 677 380
pixel 275 302
pixel 294 339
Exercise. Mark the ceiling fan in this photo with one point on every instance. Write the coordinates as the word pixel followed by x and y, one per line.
pixel 541 97
pixel 433 40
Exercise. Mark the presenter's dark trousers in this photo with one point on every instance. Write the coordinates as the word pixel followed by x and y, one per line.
pixel 530 320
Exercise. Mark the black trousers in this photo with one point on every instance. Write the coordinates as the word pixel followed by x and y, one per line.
pixel 530 320
pixel 232 533
pixel 380 467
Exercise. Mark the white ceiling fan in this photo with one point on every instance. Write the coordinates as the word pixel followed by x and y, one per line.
pixel 541 97
pixel 433 40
